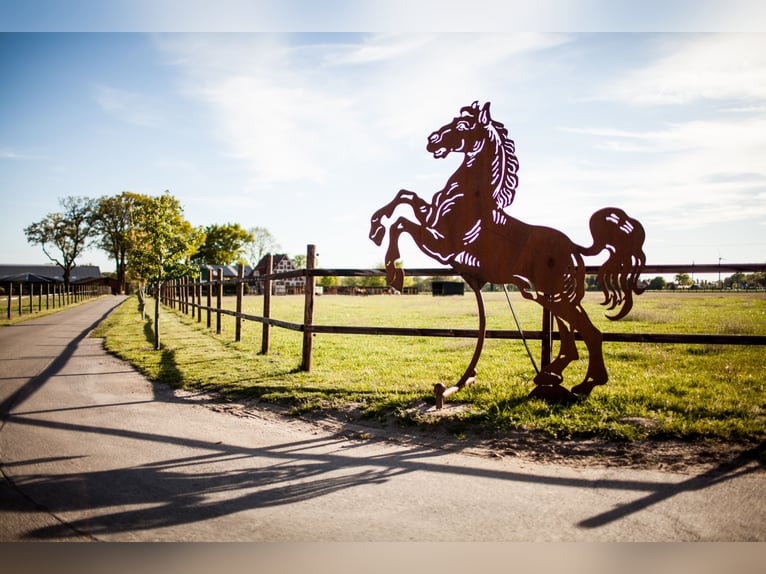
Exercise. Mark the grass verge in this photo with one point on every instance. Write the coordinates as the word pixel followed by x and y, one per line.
pixel 655 391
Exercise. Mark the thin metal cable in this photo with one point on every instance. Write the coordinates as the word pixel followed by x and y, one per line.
pixel 518 326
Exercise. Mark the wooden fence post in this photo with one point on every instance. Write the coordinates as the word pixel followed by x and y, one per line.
pixel 188 297
pixel 308 310
pixel 267 305
pixel 198 291
pixel 21 288
pixel 219 297
pixel 209 296
pixel 10 297
pixel 183 286
pixel 240 291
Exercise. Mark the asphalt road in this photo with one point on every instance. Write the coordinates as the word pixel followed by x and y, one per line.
pixel 90 450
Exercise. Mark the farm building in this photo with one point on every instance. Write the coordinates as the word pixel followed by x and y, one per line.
pixel 209 272
pixel 41 274
pixel 281 263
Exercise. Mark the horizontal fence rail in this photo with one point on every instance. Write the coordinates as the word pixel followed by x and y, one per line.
pixel 27 298
pixel 186 295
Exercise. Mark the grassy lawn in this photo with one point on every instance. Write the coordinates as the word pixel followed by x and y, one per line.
pixel 692 392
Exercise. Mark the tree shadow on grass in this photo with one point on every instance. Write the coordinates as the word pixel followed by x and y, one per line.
pixel 168 373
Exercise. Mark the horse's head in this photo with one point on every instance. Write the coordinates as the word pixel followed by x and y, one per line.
pixel 464 134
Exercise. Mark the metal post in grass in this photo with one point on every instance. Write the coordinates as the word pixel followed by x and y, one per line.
pixel 267 304
pixel 240 292
pixel 219 298
pixel 308 309
pixel 546 338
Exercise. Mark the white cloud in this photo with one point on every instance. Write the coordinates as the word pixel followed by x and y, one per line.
pixel 698 67
pixel 8 154
pixel 298 112
pixel 687 175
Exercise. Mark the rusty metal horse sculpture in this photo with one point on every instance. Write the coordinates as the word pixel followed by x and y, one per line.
pixel 465 226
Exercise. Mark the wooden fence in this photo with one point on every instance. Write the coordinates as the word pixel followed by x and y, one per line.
pixel 47 296
pixel 187 296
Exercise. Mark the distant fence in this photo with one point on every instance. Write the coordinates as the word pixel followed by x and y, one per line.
pixel 187 296
pixel 28 298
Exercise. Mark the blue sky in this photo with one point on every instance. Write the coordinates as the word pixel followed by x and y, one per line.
pixel 306 130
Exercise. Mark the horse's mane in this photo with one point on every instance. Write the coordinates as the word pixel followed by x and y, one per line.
pixel 504 166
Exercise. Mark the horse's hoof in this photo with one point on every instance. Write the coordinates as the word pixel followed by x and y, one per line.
pixel 547 379
pixel 377 234
pixel 585 388
pixel 552 394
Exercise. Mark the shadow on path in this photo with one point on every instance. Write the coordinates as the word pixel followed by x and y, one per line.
pixel 173 493
pixel 35 383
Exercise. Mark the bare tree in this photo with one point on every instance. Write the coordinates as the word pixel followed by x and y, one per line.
pixel 263 242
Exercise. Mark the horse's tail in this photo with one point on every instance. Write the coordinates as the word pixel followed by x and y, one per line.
pixel 612 229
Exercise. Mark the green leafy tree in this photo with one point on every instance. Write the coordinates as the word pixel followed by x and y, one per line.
pixel 683 279
pixel 112 223
pixel 64 235
pixel 223 245
pixel 162 242
pixel 328 281
pixel 299 261
pixel 657 284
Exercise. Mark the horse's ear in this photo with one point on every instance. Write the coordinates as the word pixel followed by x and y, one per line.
pixel 484 115
pixel 475 105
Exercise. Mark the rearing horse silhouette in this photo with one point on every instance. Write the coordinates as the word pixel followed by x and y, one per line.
pixel 465 226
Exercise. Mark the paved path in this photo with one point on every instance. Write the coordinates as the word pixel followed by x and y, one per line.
pixel 90 450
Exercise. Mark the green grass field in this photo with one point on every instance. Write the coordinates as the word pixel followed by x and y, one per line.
pixel 692 392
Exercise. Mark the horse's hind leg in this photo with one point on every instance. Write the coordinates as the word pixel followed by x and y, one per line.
pixel 596 374
pixel 552 374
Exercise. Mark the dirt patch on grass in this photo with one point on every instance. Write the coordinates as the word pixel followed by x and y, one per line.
pixel 442 430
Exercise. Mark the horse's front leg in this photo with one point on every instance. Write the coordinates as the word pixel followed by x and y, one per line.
pixel 426 238
pixel 404 197
pixel 395 276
